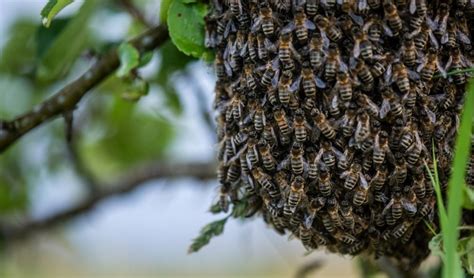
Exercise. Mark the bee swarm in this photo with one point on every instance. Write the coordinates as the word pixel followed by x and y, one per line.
pixel 328 111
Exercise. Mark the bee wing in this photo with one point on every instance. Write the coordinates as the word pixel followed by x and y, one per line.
pixel 412 6
pixel 433 25
pixel 363 182
pixel 431 115
pixel 388 74
pixel 409 206
pixel 463 37
pixel 357 19
pixel 384 109
pixel 284 164
pixel 296 54
pixel 413 75
pixel 448 63
pixel 319 83
pixel 308 222
pixel 325 39
pixel 390 156
pixel 387 30
pixel 269 45
pixel 296 84
pixel 256 25
pixel 433 39
pixel 357 48
pixel 309 24
pixel 441 69
pixel 345 174
pixel 445 38
pixel 343 66
pixel 387 207
pixel 288 28
pixel 362 5
pixel 230 27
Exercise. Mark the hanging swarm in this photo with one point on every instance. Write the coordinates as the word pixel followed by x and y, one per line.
pixel 328 111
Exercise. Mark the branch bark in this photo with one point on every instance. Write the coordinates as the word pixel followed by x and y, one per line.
pixel 127 183
pixel 67 98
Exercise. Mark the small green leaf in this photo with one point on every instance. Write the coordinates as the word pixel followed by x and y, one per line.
pixel 215 208
pixel 136 90
pixel 164 7
pixel 466 251
pixel 145 58
pixel 186 27
pixel 129 59
pixel 435 245
pixel 207 232
pixel 468 198
pixel 51 9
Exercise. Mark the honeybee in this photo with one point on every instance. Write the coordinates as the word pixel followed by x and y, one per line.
pixel 300 25
pixel 282 122
pixel 222 67
pixel 348 219
pixel 269 134
pixel 271 207
pixel 394 208
pixel 401 77
pixel 414 152
pixel 286 87
pixel 429 66
pixel 409 201
pixel 248 76
pixel 374 4
pixel 329 4
pixel 378 180
pixel 381 148
pixel 306 236
pixel 224 197
pixel 317 53
pixel 281 180
pixel 286 51
pixel 333 63
pixel 328 28
pixel 344 87
pixel 367 104
pixel 295 196
pixel 266 21
pixel 311 7
pixel 361 191
pixel 283 6
pixel 249 48
pixel 333 212
pixel 442 126
pixel 362 45
pixel 408 52
pixel 419 7
pixel 264 46
pixel 235 7
pixel 400 172
pixel 314 207
pixel 313 170
pixel 362 130
pixel 363 72
pixel 441 19
pixel 456 62
pixel 393 18
pixel 269 76
pixel 268 161
pixel 327 223
pixel 345 159
pixel 347 122
pixel 252 153
pixel 309 81
pixel 323 124
pixel 345 237
pixel 419 185
pixel 422 35
pixel 352 176
pixel 262 178
pixel 300 126
pixel 325 184
pixel 401 228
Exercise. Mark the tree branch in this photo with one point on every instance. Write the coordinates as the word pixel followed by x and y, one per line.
pixel 68 97
pixel 130 181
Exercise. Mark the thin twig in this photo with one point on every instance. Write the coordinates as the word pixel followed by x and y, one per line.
pixel 68 97
pixel 130 181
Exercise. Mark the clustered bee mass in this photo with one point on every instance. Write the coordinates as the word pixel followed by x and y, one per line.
pixel 328 112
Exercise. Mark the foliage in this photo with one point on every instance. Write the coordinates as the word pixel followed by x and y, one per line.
pixel 186 26
pixel 129 59
pixel 52 8
pixel 453 249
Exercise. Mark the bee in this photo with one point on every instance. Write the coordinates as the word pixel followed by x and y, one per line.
pixel 306 236
pixel 309 81
pixel 328 224
pixel 345 159
pixel 269 134
pixel 422 35
pixel 362 130
pixel 286 87
pixel 317 53
pixel 368 105
pixel 296 159
pixel 378 180
pixel 268 160
pixel 262 178
pixel 311 7
pixel 281 180
pixel 300 25
pixel 414 152
pixel 364 73
pixel 224 197
pixel 441 19
pixel 283 6
pixel 345 237
pixel 295 196
pixel 329 4
pixel 250 47
pixel 400 172
pixel 323 124
pixel 259 118
pixel 245 171
pixel 362 45
pixel 252 153
pixel 344 86
pixel 327 153
pixel 352 176
pixel 442 126
pixel 222 67
pixel 233 172
pixel 313 170
pixel 333 63
pixel 394 206
pixel 282 122
pixel 409 201
pixel 264 46
pixel 333 212
pixel 348 219
pixel 300 126
pixel 401 77
pixel 347 121
pixel 419 185
pixel 419 7
pixel 374 4
pixel 266 21
pixel 324 181
pixel 271 207
pixel 235 7
pixel 286 51
pixel 314 207
pixel 393 18
pixel 249 77
pixel 269 76
pixel 328 28
pixel 381 148
pixel 401 229
pixel 456 62
pixel 409 52
pixel 429 66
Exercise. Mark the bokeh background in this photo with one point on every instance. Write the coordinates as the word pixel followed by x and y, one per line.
pixel 145 233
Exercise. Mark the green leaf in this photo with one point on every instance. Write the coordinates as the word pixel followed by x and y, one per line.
pixel 466 251
pixel 186 27
pixel 46 36
pixel 435 245
pixel 145 58
pixel 136 90
pixel 129 59
pixel 468 198
pixel 68 45
pixel 52 8
pixel 207 233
